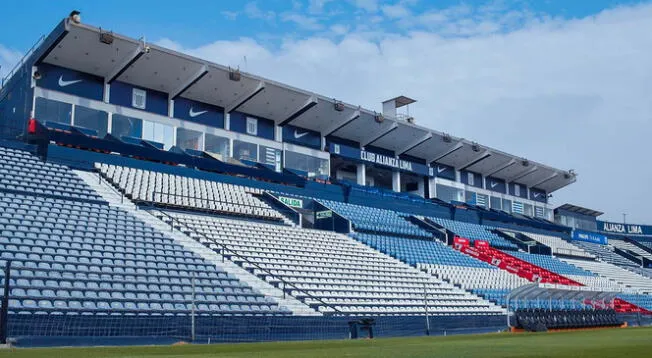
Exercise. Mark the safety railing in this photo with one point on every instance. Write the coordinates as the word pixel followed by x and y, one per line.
pixel 22 61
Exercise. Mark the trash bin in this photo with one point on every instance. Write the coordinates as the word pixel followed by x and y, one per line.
pixel 361 328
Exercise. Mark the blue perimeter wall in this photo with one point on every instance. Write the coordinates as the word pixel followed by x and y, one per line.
pixel 57 330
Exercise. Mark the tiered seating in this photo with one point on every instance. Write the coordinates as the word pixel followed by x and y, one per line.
pixel 79 257
pixel 21 171
pixel 180 191
pixel 604 253
pixel 474 232
pixel 376 220
pixel 419 251
pixel 624 245
pixel 519 264
pixel 551 264
pixel 615 273
pixel 558 245
pixel 331 272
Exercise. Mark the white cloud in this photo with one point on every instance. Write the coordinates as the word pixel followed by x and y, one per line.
pixel 339 29
pixel 396 11
pixel 8 59
pixel 303 21
pixel 252 10
pixel 568 93
pixel 230 15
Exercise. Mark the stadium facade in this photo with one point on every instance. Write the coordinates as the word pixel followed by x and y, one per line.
pixel 148 193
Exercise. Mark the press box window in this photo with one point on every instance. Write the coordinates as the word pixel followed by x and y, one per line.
pixel 517 190
pixel 252 126
pixel 139 98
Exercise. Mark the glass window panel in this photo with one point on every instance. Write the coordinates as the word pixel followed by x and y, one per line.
pixel 47 110
pixel 528 210
pixel 189 139
pixel 496 203
pixel 245 151
pixel 158 132
pixel 507 205
pixel 92 119
pixel 123 126
pixel 448 194
pixel 270 156
pixel 312 165
pixel 218 145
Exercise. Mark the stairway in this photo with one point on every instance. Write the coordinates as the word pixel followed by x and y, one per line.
pixel 115 199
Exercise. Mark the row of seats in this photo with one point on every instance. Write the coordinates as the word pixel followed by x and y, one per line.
pixel 551 263
pixel 180 191
pixel 329 271
pixel 73 256
pixel 558 245
pixel 418 251
pixel 474 232
pixel 21 171
pixel 624 245
pixel 604 253
pixel 377 220
pixel 618 274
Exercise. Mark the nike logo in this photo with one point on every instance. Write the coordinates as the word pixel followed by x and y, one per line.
pixel 494 184
pixel 298 135
pixel 63 83
pixel 440 169
pixel 194 114
pixel 536 195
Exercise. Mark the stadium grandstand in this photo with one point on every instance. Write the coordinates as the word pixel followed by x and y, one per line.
pixel 148 196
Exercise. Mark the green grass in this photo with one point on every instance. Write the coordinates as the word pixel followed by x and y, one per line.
pixel 622 343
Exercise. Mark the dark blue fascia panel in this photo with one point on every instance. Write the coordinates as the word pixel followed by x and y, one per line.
pixel 523 189
pixel 538 195
pixel 121 94
pixel 70 81
pixel 238 123
pixel 443 171
pixel 497 185
pixel 199 112
pixel 301 136
pixel 341 141
pixel 477 179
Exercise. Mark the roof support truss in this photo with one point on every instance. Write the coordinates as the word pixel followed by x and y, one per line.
pixel 245 97
pixel 201 72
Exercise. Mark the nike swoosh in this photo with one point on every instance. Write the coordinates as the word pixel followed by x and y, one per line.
pixel 493 185
pixel 440 169
pixel 194 114
pixel 63 83
pixel 298 135
pixel 536 195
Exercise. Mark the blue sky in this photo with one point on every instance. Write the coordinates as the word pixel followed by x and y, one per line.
pixel 202 21
pixel 563 82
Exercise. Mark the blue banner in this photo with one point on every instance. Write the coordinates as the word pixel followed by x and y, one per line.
pixel 444 171
pixel 624 229
pixel 497 185
pixel 538 195
pixel 300 136
pixel 380 160
pixel 587 236
pixel 72 82
pixel 198 112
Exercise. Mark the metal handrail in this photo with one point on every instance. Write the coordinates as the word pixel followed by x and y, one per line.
pixel 224 248
pixel 22 60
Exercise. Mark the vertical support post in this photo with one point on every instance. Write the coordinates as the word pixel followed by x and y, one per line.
pixel 192 310
pixel 425 305
pixel 5 305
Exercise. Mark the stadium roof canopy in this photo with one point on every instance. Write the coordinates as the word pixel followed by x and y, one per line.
pixel 536 291
pixel 79 47
pixel 580 210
